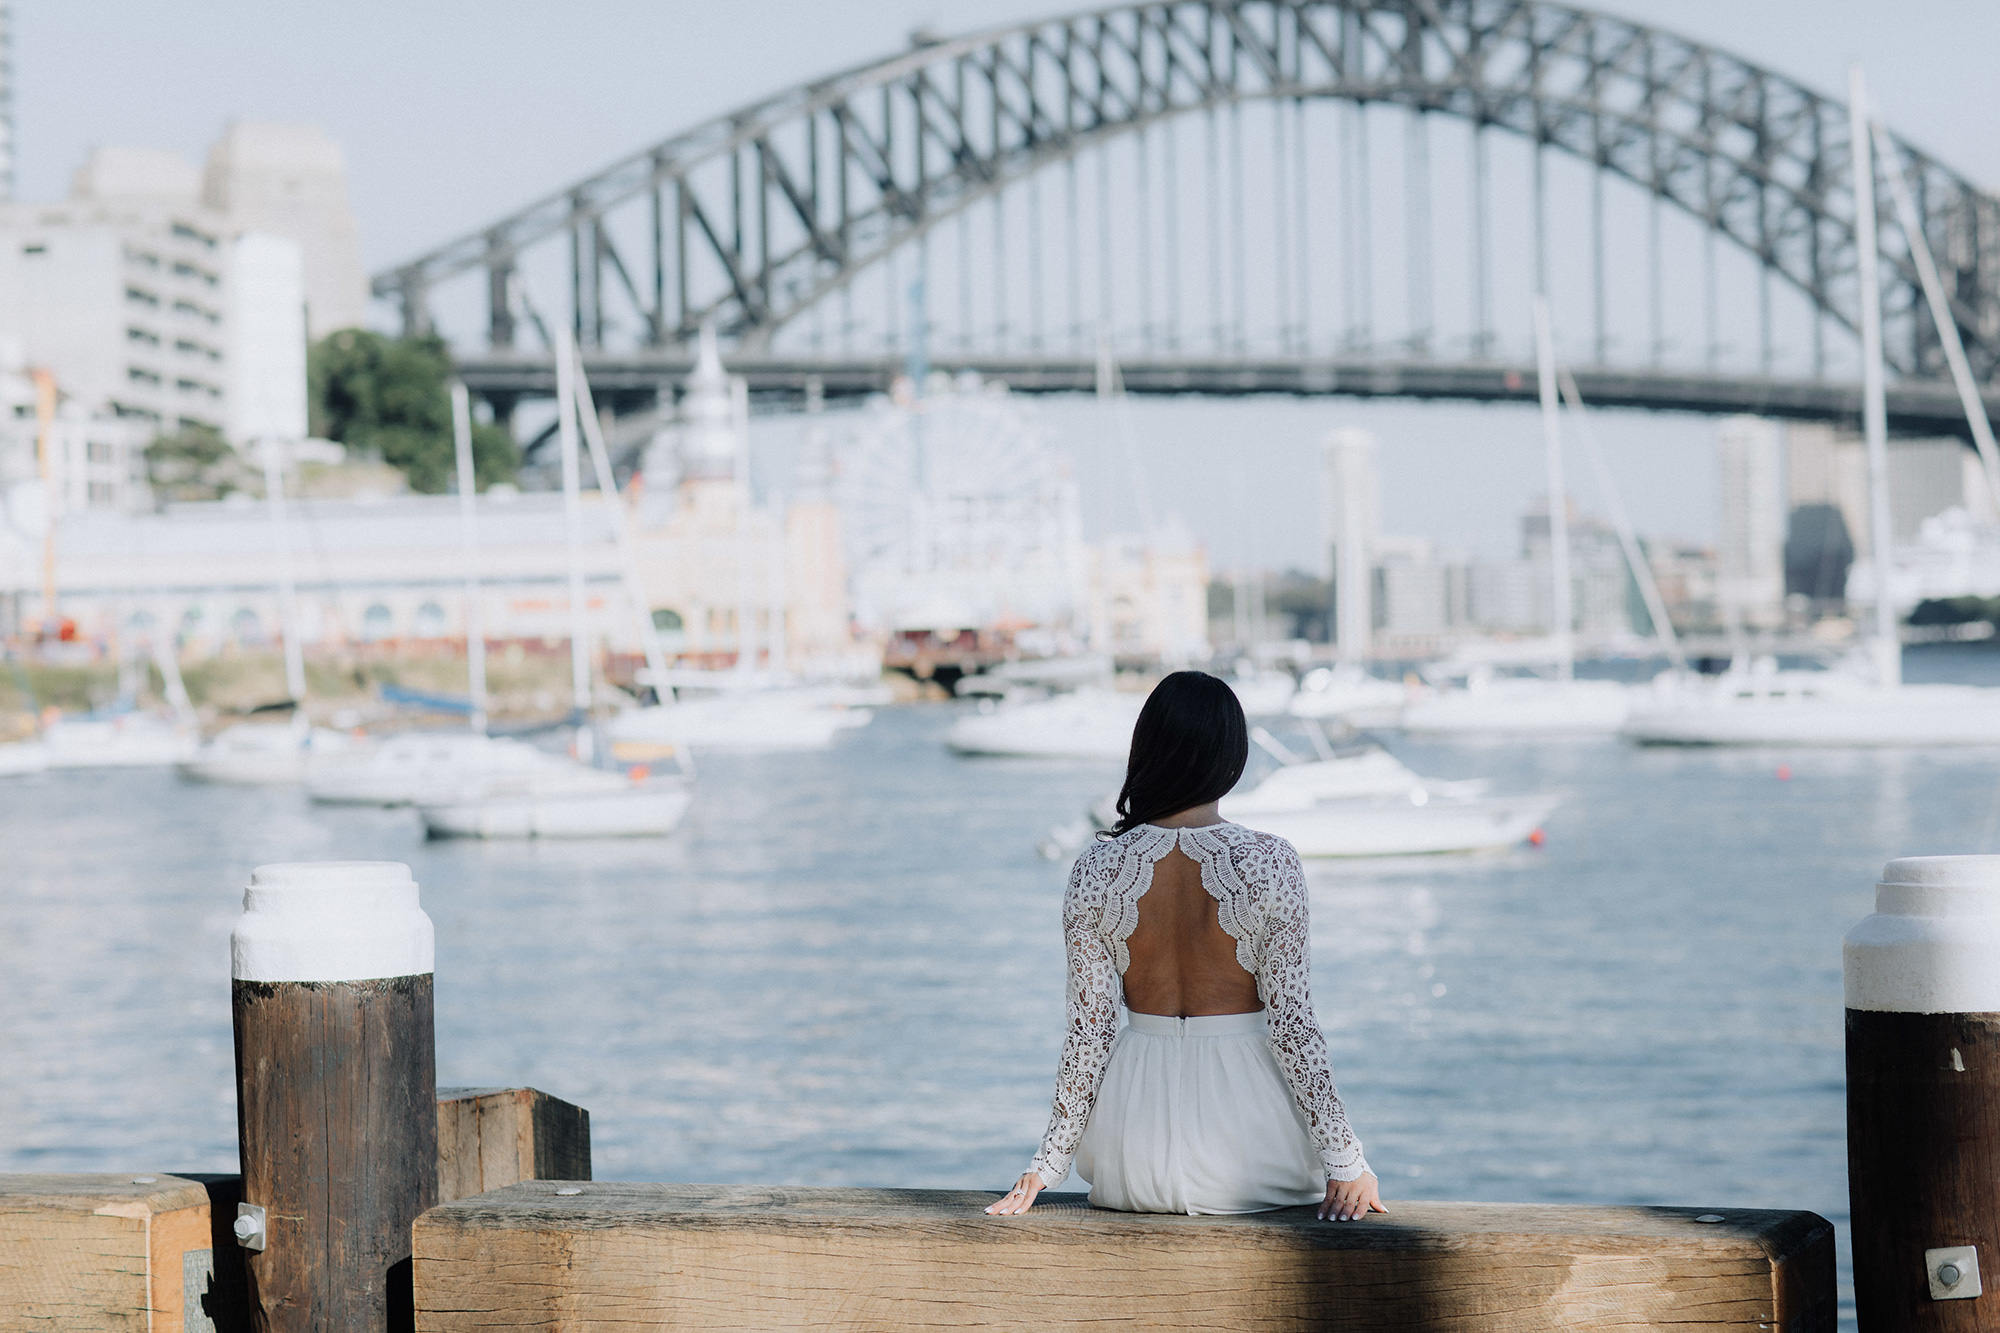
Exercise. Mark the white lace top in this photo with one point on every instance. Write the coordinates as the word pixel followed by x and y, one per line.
pixel 1259 889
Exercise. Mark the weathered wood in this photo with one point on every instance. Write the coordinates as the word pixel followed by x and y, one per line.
pixel 489 1137
pixel 105 1252
pixel 337 1118
pixel 622 1256
pixel 1923 1147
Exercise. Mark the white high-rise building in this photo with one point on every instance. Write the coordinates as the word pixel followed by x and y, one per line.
pixel 267 339
pixel 165 301
pixel 120 292
pixel 1751 550
pixel 291 181
pixel 1350 525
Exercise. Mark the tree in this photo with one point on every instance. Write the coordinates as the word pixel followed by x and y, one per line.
pixel 196 463
pixel 390 396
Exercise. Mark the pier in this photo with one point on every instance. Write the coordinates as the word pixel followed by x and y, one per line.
pixel 510 1232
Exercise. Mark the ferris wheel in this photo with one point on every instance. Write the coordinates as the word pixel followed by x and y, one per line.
pixel 956 502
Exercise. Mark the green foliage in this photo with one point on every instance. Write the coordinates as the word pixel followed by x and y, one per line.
pixel 1955 610
pixel 1303 599
pixel 196 463
pixel 389 396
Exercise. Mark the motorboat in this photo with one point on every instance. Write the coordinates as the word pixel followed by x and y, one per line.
pixel 122 737
pixel 1086 724
pixel 758 720
pixel 1350 694
pixel 1416 823
pixel 1491 705
pixel 21 758
pixel 1263 693
pixel 1360 803
pixel 261 754
pixel 558 797
pixel 1762 705
pixel 1368 803
pixel 411 766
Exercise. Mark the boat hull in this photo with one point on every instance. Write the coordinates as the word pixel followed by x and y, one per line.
pixel 1523 708
pixel 1078 726
pixel 20 758
pixel 1399 827
pixel 1913 715
pixel 638 812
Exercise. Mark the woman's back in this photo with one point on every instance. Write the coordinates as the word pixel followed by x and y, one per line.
pixel 1182 962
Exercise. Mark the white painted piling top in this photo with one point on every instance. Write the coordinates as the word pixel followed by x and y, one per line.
pixel 1933 944
pixel 331 921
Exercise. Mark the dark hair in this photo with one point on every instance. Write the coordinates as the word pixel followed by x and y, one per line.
pixel 1188 748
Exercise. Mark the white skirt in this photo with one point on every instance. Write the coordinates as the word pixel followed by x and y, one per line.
pixel 1196 1117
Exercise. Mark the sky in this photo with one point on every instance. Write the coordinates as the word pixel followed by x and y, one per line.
pixel 455 112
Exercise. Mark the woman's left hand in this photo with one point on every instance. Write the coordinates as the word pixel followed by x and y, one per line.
pixel 1021 1198
pixel 1351 1200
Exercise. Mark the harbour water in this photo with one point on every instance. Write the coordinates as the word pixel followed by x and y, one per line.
pixel 846 968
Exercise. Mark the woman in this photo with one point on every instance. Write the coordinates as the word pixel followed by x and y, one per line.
pixel 1216 1097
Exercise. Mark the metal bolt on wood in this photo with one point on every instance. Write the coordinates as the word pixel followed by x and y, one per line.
pixel 336 1092
pixel 1923 1096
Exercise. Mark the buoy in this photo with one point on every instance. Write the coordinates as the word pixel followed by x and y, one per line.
pixel 1784 772
pixel 1537 838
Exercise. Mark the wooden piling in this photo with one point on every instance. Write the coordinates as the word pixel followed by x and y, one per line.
pixel 1923 1097
pixel 490 1137
pixel 336 1091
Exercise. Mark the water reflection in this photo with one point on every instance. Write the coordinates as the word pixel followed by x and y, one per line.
pixel 847 968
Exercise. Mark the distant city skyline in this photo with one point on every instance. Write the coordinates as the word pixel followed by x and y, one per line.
pixel 478 109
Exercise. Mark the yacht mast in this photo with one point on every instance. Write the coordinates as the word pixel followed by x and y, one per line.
pixel 1874 415
pixel 468 528
pixel 579 643
pixel 272 451
pixel 1947 327
pixel 1545 360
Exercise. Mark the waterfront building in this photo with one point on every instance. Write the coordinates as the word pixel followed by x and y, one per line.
pixel 1600 579
pixel 1751 548
pixel 1148 597
pixel 159 295
pixel 120 292
pixel 291 181
pixel 1350 522
pixel 1421 595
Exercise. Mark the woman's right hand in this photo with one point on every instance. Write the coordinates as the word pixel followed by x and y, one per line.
pixel 1021 1198
pixel 1351 1200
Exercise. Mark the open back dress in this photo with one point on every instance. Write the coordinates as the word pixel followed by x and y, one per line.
pixel 1226 1113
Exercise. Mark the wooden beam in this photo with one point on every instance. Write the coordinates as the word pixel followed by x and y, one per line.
pixel 111 1252
pixel 618 1255
pixel 489 1137
pixel 105 1254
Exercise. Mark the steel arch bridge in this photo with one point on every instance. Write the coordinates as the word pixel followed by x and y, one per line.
pixel 760 220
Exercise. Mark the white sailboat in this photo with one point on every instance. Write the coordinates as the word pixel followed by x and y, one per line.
pixel 1853 706
pixel 557 797
pixel 413 766
pixel 258 754
pixel 551 796
pixel 123 735
pixel 1521 706
pixel 1362 803
pixel 1085 724
pixel 741 709
pixel 1348 693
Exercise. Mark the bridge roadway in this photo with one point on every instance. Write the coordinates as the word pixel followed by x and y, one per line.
pixel 1916 408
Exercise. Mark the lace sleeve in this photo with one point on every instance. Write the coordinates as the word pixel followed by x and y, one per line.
pixel 1092 1023
pixel 1284 982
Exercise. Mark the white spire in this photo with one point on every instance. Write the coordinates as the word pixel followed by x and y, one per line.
pixel 708 428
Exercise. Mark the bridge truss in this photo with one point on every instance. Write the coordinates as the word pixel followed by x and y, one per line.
pixel 765 221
